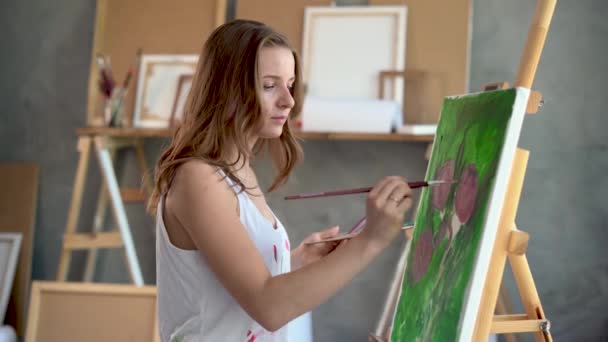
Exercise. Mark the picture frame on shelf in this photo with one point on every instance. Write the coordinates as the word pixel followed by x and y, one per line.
pixel 184 83
pixel 345 48
pixel 157 87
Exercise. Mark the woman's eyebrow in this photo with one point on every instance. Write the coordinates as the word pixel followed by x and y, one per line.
pixel 279 77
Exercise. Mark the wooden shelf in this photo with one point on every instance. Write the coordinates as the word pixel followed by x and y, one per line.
pixel 125 132
pixel 365 136
pixel 163 132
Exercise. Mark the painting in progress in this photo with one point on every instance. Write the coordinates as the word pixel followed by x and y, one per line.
pixel 456 224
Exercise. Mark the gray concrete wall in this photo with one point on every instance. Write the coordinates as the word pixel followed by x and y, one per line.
pixel 44 63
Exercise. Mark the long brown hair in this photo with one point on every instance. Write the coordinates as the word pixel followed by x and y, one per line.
pixel 223 108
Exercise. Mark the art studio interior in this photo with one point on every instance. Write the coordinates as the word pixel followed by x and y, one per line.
pixel 448 140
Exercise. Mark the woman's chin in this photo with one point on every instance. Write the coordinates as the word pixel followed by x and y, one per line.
pixel 271 133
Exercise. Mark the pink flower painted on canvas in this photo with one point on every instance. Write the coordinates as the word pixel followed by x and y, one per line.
pixel 274 249
pixel 441 193
pixel 422 255
pixel 445 230
pixel 466 193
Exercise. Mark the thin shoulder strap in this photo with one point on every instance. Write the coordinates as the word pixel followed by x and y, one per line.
pixel 230 182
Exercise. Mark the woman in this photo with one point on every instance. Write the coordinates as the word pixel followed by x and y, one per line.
pixel 225 270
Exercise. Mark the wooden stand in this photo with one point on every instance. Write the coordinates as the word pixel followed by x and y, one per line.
pixel 121 29
pixel 105 148
pixel 512 243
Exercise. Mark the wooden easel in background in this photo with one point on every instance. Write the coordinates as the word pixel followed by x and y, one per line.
pixel 105 149
pixel 121 28
pixel 511 244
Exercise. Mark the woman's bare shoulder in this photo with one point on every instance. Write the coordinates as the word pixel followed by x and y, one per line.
pixel 197 179
pixel 196 173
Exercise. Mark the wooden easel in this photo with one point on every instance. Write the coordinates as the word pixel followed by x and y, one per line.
pixel 105 147
pixel 121 28
pixel 510 243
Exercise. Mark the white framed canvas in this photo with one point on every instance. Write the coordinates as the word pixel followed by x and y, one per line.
pixel 345 48
pixel 157 88
pixel 10 244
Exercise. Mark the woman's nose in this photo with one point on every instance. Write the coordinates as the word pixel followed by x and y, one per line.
pixel 287 100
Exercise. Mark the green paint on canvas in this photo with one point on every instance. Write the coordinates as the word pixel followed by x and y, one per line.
pixel 471 132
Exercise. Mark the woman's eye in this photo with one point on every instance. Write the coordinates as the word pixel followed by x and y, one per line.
pixel 268 86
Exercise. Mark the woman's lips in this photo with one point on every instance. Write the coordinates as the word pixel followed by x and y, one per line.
pixel 281 118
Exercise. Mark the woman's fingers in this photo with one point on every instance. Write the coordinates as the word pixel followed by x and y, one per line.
pixel 400 193
pixel 331 232
pixel 405 204
pixel 379 186
pixel 324 234
pixel 395 191
pixel 384 189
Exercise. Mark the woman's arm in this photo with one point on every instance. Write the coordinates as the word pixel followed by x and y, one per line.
pixel 205 207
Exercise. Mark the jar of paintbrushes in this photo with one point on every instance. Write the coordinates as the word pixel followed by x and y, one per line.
pixel 114 96
pixel 114 107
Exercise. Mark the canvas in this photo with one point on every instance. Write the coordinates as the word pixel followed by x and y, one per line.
pixel 456 224
pixel 345 48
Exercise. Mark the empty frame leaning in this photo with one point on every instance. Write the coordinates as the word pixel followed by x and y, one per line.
pixel 64 311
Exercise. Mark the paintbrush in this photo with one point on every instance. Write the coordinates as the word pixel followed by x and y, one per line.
pixel 106 82
pixel 348 236
pixel 412 185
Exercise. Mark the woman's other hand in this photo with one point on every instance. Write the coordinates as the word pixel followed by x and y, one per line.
pixel 306 254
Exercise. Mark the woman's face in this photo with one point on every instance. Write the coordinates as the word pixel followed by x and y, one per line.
pixel 277 75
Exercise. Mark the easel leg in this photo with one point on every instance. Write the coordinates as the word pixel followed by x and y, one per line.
pixel 100 214
pixel 118 209
pixel 528 292
pixel 84 147
pixel 499 253
pixel 504 307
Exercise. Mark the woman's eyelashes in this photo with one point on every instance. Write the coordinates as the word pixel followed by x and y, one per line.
pixel 272 86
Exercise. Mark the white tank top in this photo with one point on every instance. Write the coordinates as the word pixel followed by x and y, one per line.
pixel 192 304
